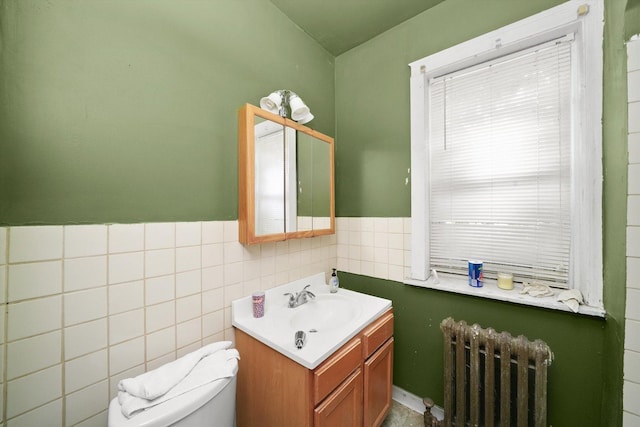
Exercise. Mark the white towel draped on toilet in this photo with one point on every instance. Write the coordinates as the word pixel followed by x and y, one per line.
pixel 154 384
pixel 214 365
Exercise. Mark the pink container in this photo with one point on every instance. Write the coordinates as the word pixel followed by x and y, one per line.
pixel 258 303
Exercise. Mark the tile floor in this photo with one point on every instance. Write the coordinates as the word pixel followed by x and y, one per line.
pixel 401 416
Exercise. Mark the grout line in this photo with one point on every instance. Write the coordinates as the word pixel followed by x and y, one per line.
pixel 175 291
pixel 5 314
pixel 63 385
pixel 108 317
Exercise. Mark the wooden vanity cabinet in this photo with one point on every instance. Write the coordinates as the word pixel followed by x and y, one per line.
pixel 351 388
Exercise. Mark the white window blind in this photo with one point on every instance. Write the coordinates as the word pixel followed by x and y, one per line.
pixel 500 165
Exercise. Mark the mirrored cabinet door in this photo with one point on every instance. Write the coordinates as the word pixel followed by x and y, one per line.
pixel 323 201
pixel 304 174
pixel 271 173
pixel 285 179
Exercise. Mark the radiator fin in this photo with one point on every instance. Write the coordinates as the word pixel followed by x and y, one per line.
pixel 492 379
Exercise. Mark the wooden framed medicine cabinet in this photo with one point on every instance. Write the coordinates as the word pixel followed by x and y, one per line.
pixel 286 186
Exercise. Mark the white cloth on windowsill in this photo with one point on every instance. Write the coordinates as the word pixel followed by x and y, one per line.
pixel 572 298
pixel 536 289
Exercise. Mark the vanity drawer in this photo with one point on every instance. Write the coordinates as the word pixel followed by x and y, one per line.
pixel 333 371
pixel 377 333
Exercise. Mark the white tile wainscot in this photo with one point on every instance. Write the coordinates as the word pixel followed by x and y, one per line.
pixel 88 305
pixel 631 387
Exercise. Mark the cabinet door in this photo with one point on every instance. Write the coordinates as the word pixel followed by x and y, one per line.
pixel 272 390
pixel 343 407
pixel 378 378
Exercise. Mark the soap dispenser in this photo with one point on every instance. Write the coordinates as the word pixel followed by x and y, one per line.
pixel 334 284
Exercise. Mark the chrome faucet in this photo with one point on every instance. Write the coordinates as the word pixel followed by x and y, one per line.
pixel 300 298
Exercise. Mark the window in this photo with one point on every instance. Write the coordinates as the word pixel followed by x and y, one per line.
pixel 506 155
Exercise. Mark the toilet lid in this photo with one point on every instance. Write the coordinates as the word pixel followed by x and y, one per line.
pixel 171 411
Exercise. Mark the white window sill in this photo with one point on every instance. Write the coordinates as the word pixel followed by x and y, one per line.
pixel 490 290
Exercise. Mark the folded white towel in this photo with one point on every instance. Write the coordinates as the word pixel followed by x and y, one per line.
pixel 216 366
pixel 572 298
pixel 157 382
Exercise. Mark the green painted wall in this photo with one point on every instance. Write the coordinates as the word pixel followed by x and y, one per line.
pixel 372 100
pixel 632 19
pixel 575 376
pixel 373 155
pixel 615 160
pixel 125 111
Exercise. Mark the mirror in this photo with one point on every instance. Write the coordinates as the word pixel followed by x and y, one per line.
pixel 285 179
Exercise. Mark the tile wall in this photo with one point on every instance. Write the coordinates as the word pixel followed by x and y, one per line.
pixel 631 388
pixel 88 305
pixel 375 247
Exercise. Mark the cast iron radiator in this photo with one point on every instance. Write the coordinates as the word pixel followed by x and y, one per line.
pixel 491 379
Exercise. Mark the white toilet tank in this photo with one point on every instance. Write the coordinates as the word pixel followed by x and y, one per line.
pixel 213 404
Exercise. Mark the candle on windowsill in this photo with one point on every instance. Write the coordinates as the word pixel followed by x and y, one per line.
pixel 505 281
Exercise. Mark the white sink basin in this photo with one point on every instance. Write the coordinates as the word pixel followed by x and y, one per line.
pixel 329 320
pixel 324 313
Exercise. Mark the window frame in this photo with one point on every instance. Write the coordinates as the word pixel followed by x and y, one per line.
pixel 585 20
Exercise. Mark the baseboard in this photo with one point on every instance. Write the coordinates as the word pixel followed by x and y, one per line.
pixel 413 402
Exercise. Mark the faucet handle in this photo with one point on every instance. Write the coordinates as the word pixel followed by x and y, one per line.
pixel 292 298
pixel 308 292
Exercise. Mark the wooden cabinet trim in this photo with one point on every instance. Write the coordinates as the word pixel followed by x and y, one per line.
pixel 246 177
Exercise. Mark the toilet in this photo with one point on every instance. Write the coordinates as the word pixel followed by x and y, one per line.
pixel 213 404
